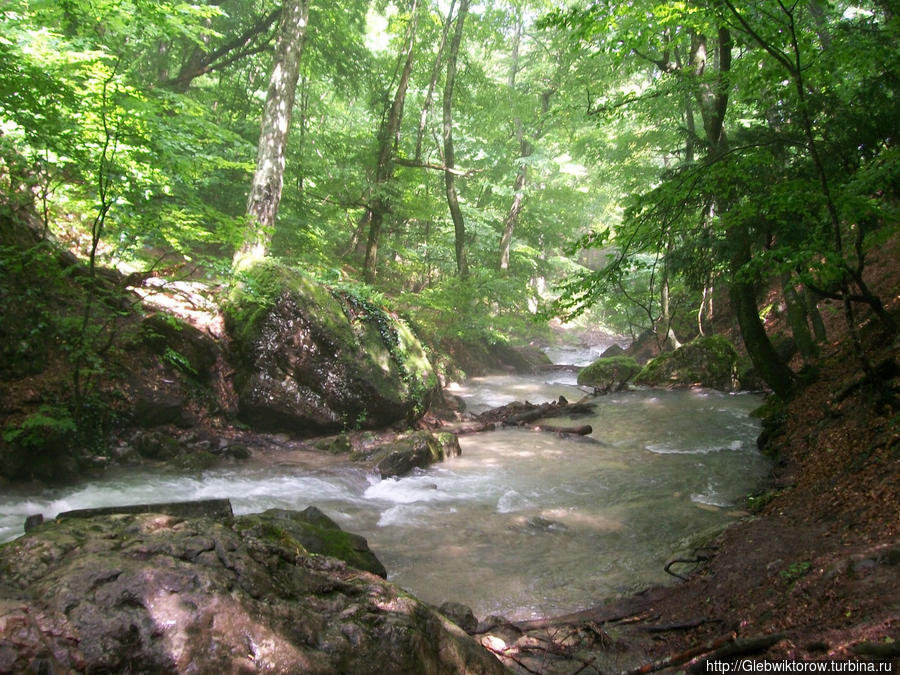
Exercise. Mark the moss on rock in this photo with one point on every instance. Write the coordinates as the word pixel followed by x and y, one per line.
pixel 312 358
pixel 312 531
pixel 707 362
pixel 609 373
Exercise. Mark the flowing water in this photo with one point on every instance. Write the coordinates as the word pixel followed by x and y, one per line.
pixel 524 523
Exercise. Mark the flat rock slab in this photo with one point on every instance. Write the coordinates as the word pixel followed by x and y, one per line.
pixel 201 508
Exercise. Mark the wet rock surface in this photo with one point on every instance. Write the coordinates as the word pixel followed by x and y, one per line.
pixel 609 373
pixel 159 593
pixel 705 362
pixel 312 361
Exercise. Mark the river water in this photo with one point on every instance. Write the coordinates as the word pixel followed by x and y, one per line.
pixel 523 524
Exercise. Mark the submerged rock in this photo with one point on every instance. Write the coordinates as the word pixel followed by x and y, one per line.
pixel 312 360
pixel 706 362
pixel 415 450
pixel 159 593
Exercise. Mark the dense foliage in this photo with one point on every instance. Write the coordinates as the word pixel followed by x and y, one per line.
pixel 672 148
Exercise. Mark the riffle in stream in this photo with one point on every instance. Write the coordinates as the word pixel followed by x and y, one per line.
pixel 523 524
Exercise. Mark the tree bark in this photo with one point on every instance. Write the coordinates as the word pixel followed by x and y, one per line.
pixel 253 40
pixel 812 308
pixel 743 300
pixel 797 317
pixel 512 216
pixel 435 71
pixel 459 227
pixel 268 179
pixel 711 96
pixel 384 171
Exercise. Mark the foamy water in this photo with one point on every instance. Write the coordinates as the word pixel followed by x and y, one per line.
pixel 523 523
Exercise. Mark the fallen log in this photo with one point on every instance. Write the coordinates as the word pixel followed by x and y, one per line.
pixel 582 430
pixel 552 409
pixel 684 625
pixel 682 657
pixel 518 414
pixel 735 649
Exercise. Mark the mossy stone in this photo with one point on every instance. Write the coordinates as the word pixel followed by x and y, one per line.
pixel 609 373
pixel 707 362
pixel 315 359
pixel 312 531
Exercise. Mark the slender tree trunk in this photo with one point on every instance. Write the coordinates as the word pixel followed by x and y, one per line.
pixel 670 341
pixel 384 171
pixel 435 72
pixel 797 317
pixel 268 180
pixel 812 308
pixel 459 227
pixel 512 216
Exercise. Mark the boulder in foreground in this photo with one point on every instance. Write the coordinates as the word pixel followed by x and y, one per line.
pixel 157 593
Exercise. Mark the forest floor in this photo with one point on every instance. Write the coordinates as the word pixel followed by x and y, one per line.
pixel 813 575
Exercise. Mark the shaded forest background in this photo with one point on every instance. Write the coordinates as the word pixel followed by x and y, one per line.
pixel 636 164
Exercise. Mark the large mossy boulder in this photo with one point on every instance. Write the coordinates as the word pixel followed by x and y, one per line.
pixel 310 359
pixel 609 373
pixel 155 593
pixel 705 362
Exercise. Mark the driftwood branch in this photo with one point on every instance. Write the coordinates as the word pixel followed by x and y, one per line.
pixel 582 430
pixel 684 625
pixel 683 657
pixel 734 649
pixel 525 415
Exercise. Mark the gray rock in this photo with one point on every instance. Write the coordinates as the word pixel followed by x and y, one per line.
pixel 415 450
pixel 157 593
pixel 461 615
pixel 157 408
pixel 707 362
pixel 609 373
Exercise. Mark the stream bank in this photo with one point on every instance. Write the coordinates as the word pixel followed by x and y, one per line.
pixel 817 566
pixel 811 575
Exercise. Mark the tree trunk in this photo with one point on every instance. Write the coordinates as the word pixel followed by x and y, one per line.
pixel 711 95
pixel 797 317
pixel 435 71
pixel 669 341
pixel 384 171
pixel 812 308
pixel 459 227
pixel 253 40
pixel 512 216
pixel 743 300
pixel 268 180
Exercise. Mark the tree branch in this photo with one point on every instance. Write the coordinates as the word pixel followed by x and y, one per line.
pixel 464 173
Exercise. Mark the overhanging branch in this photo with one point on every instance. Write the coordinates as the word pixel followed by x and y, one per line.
pixel 464 173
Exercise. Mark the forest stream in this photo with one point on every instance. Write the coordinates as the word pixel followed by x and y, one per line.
pixel 522 524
